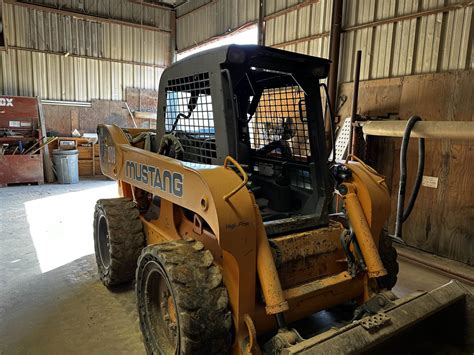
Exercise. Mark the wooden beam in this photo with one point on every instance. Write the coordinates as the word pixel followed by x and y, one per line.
pixel 48 164
pixel 291 9
pixel 80 15
pixel 197 9
pixel 215 38
pixel 300 40
pixel 150 4
pixel 268 17
pixel 87 57
pixel 409 16
pixel 145 115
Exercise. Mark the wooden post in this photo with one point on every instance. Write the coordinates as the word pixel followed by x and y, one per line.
pixel 334 51
pixel 93 159
pixel 172 57
pixel 261 23
pixel 355 99
pixel 48 165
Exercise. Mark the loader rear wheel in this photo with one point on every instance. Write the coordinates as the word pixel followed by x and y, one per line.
pixel 182 302
pixel 389 255
pixel 118 240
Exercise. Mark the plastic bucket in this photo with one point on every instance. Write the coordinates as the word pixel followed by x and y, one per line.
pixel 66 163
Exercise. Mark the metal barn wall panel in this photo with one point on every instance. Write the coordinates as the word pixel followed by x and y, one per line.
pixel 304 30
pixel 201 23
pixel 435 42
pixel 189 6
pixel 394 38
pixel 122 10
pixel 278 5
pixel 358 12
pixel 61 57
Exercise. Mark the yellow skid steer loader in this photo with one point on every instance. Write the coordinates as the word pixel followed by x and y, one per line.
pixel 225 218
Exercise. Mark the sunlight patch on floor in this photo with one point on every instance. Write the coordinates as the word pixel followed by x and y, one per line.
pixel 61 225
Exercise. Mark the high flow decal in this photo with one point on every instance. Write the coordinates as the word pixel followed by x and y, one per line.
pixel 152 176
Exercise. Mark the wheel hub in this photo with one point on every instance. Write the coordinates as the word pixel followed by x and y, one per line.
pixel 161 312
pixel 169 312
pixel 104 243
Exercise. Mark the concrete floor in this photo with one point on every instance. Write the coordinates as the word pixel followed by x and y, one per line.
pixel 51 300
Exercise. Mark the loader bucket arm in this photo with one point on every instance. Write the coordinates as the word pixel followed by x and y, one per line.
pixel 228 208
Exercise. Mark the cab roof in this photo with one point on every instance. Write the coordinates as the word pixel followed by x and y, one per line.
pixel 256 56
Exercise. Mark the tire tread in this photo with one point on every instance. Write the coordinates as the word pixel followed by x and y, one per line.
pixel 201 297
pixel 125 236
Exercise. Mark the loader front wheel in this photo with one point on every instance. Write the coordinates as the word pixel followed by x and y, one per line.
pixel 118 240
pixel 389 255
pixel 182 302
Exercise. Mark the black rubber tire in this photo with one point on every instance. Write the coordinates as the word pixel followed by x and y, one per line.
pixel 199 296
pixel 125 240
pixel 389 255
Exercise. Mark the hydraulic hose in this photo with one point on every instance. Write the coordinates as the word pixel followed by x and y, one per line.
pixel 402 214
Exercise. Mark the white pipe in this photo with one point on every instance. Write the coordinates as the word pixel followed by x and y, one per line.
pixel 422 129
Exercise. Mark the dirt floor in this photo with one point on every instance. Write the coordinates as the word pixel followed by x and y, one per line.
pixel 51 300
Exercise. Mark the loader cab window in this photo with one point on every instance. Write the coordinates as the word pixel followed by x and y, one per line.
pixel 272 108
pixel 189 116
pixel 278 128
pixel 278 133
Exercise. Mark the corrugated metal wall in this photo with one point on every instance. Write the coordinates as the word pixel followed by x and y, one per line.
pixel 304 30
pixel 198 22
pixel 104 58
pixel 392 47
pixel 432 43
pixel 125 10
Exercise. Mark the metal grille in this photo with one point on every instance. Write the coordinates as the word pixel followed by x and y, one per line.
pixel 279 127
pixel 190 117
pixel 342 140
pixel 279 131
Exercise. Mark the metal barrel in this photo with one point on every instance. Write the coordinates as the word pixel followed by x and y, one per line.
pixel 66 164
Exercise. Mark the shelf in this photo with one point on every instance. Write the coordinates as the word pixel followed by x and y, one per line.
pixel 17 138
